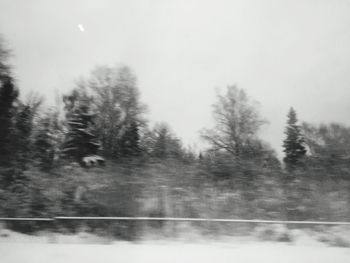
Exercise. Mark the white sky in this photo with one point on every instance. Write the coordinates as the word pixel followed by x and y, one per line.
pixel 283 53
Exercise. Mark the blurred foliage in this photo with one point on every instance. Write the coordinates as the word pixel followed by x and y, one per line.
pixel 171 188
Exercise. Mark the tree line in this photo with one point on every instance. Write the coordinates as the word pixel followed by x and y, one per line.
pixel 94 153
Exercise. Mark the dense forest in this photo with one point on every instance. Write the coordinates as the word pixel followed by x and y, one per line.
pixel 95 154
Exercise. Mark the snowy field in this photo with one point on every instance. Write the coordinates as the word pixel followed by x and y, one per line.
pixel 161 253
pixel 19 248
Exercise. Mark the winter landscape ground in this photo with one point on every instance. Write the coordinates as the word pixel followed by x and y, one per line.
pixel 83 247
pixel 150 252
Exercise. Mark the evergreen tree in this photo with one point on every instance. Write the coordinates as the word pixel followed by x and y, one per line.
pixel 13 126
pixel 80 141
pixel 294 143
pixel 129 142
pixel 8 98
pixel 166 145
pixel 4 55
pixel 44 145
pixel 22 136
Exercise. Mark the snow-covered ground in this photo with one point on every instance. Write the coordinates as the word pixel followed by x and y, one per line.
pixel 86 248
pixel 130 252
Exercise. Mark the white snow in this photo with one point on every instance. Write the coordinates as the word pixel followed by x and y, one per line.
pixel 87 248
pixel 130 252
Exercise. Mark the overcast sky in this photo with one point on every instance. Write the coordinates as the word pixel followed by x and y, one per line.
pixel 282 52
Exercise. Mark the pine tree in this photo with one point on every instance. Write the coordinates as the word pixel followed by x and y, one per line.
pixel 80 141
pixel 22 136
pixel 8 98
pixel 130 141
pixel 4 55
pixel 166 145
pixel 294 143
pixel 44 151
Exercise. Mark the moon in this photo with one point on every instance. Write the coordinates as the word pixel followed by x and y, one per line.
pixel 81 28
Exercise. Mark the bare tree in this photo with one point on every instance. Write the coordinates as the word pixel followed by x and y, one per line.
pixel 116 104
pixel 237 122
pixel 327 140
